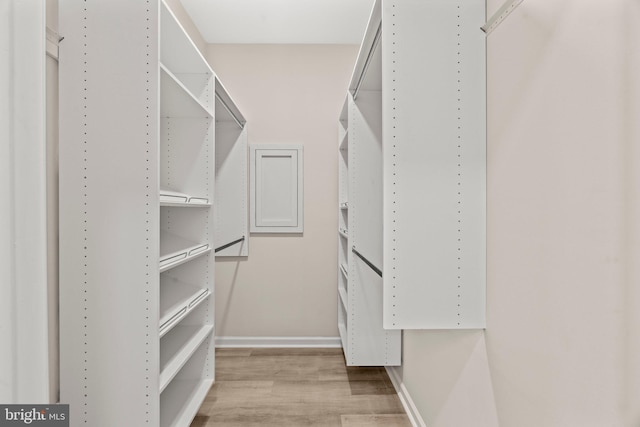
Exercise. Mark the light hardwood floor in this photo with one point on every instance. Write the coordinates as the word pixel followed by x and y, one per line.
pixel 298 387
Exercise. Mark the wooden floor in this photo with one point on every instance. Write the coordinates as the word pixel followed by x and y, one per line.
pixel 298 387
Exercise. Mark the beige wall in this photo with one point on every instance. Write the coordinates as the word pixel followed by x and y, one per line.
pixel 289 94
pixel 561 345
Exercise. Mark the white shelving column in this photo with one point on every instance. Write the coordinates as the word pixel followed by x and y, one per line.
pixel 232 177
pixel 343 227
pixel 365 341
pixel 416 177
pixel 187 159
pixel 137 215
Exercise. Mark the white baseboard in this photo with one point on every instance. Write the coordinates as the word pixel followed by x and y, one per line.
pixel 405 398
pixel 278 342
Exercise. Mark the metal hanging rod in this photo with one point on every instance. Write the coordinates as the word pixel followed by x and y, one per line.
pixel 226 107
pixel 500 15
pixel 367 62
pixel 366 261
pixel 218 249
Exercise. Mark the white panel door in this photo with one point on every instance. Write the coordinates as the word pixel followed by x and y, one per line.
pixel 276 189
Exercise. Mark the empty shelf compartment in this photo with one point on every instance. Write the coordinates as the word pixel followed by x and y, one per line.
pixel 177 348
pixel 176 100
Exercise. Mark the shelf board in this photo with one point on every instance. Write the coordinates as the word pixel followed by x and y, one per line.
pixel 181 400
pixel 177 299
pixel 176 349
pixel 344 233
pixel 343 269
pixel 184 205
pixel 177 199
pixel 176 100
pixel 176 250
pixel 178 52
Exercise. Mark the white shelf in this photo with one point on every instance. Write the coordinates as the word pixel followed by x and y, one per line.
pixel 176 250
pixel 344 233
pixel 343 269
pixel 177 51
pixel 169 109
pixel 176 100
pixel 177 199
pixel 177 347
pixel 177 299
pixel 184 205
pixel 181 400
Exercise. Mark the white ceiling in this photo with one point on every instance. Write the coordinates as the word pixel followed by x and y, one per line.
pixel 280 21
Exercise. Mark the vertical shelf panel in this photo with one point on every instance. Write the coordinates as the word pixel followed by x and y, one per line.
pixel 434 164
pixel 109 212
pixel 360 209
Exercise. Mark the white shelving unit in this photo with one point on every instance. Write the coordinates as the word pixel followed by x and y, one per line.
pixel 415 177
pixel 187 158
pixel 142 120
pixel 232 177
pixel 365 341
pixel 412 168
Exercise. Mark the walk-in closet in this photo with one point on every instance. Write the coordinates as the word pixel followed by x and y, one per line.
pixel 336 213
